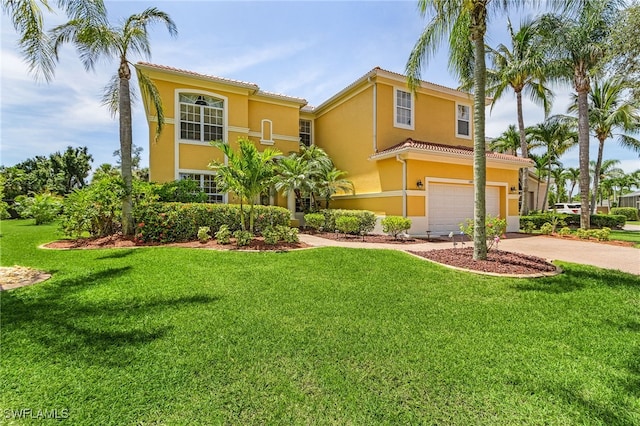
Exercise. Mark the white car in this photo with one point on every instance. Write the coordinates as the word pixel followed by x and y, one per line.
pixel 569 208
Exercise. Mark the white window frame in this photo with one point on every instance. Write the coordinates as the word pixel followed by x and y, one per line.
pixel 304 133
pixel 411 108
pixel 457 118
pixel 201 174
pixel 178 120
pixel 266 138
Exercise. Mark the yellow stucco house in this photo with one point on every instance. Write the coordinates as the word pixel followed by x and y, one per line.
pixel 407 154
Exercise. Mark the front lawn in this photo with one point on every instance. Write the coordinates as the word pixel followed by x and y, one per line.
pixel 632 236
pixel 322 336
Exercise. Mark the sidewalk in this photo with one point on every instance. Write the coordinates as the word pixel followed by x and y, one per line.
pixel 606 256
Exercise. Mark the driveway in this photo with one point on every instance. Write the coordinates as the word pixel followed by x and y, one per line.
pixel 606 256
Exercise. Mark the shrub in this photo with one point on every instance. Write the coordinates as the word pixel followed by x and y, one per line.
pixel 243 238
pixel 546 228
pixel 287 234
pixel 582 233
pixel 394 225
pixel 631 213
pixel 203 234
pixel 4 207
pixel 608 221
pixel 564 231
pixel 528 227
pixel 601 234
pixel 223 236
pixel 180 191
pixel 494 228
pixel 44 208
pixel 573 220
pixel 314 221
pixel 366 219
pixel 348 224
pixel 271 236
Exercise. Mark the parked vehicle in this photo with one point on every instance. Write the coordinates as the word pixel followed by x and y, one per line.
pixel 569 208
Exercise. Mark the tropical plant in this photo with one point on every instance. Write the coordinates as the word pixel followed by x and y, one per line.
pixel 43 208
pixel 508 142
pixel 522 69
pixel 96 38
pixel 607 174
pixel 465 25
pixel 331 181
pixel 295 176
pixel 247 173
pixel 610 111
pixel 576 49
pixel 572 174
pixel 556 136
pixel 395 225
pixel 71 168
pixel 624 51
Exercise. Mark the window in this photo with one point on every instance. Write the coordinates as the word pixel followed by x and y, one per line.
pixel 303 204
pixel 305 132
pixel 208 184
pixel 201 117
pixel 267 132
pixel 403 109
pixel 463 127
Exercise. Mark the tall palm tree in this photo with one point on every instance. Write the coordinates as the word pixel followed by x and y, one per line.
pixel 610 111
pixel 559 183
pixel 34 43
pixel 331 181
pixel 541 165
pixel 94 40
pixel 607 170
pixel 295 175
pixel 247 173
pixel 522 69
pixel 573 176
pixel 556 136
pixel 576 48
pixel 465 24
pixel 508 142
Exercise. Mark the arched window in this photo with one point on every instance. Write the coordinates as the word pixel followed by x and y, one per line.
pixel 201 117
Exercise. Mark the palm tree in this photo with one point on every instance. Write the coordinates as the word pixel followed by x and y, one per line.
pixel 331 181
pixel 247 173
pixel 295 175
pixel 605 172
pixel 98 39
pixel 34 43
pixel 522 69
pixel 610 111
pixel 541 166
pixel 508 142
pixel 465 24
pixel 559 182
pixel 572 175
pixel 576 48
pixel 556 136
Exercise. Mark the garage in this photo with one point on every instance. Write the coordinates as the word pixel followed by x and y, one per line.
pixel 449 205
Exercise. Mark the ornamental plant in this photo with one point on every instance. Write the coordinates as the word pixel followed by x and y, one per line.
pixel 223 236
pixel 314 221
pixel 243 238
pixel 348 224
pixel 495 227
pixel 203 234
pixel 43 208
pixel 394 225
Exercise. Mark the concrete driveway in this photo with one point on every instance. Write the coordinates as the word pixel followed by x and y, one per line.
pixel 606 256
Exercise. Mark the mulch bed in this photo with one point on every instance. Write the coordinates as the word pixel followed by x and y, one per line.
pixel 498 261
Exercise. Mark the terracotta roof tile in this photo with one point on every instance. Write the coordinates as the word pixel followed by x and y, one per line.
pixel 411 144
pixel 207 76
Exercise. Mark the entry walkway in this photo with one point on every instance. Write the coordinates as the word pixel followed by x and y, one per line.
pixel 606 256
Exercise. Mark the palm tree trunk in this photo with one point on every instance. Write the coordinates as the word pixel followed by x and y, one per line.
pixel 596 176
pixel 583 145
pixel 524 175
pixel 126 140
pixel 546 192
pixel 478 29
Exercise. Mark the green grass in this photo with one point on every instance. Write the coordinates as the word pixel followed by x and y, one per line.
pixel 323 336
pixel 632 236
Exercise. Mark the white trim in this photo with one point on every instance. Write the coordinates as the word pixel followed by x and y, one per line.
pixel 311 127
pixel 458 135
pixel 238 129
pixel 276 137
pixel 412 108
pixel 375 117
pixel 263 138
pixel 383 194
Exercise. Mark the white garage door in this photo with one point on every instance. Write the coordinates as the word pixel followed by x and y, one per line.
pixel 450 205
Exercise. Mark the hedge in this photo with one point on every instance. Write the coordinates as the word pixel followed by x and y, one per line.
pixel 169 222
pixel 631 213
pixel 367 219
pixel 573 220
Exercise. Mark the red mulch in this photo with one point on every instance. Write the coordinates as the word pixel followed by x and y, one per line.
pixel 119 241
pixel 498 261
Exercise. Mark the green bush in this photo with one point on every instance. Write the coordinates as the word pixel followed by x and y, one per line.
pixel 601 234
pixel 271 236
pixel 314 221
pixel 4 207
pixel 564 231
pixel 223 236
pixel 95 209
pixel 582 233
pixel 394 225
pixel 494 228
pixel 44 208
pixel 203 234
pixel 608 221
pixel 528 226
pixel 631 213
pixel 366 219
pixel 287 234
pixel 573 220
pixel 180 191
pixel 169 222
pixel 546 229
pixel 348 224
pixel 243 238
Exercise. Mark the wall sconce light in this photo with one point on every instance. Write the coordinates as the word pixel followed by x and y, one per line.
pixel 513 189
pixel 419 184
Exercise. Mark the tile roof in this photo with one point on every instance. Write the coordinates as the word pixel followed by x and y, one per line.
pixel 464 151
pixel 238 83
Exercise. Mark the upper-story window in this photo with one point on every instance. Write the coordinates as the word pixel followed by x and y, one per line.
pixel 463 123
pixel 305 132
pixel 201 117
pixel 403 104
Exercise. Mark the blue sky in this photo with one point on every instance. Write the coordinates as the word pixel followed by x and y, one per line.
pixel 300 48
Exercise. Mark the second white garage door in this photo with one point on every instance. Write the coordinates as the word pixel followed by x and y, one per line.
pixel 449 205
